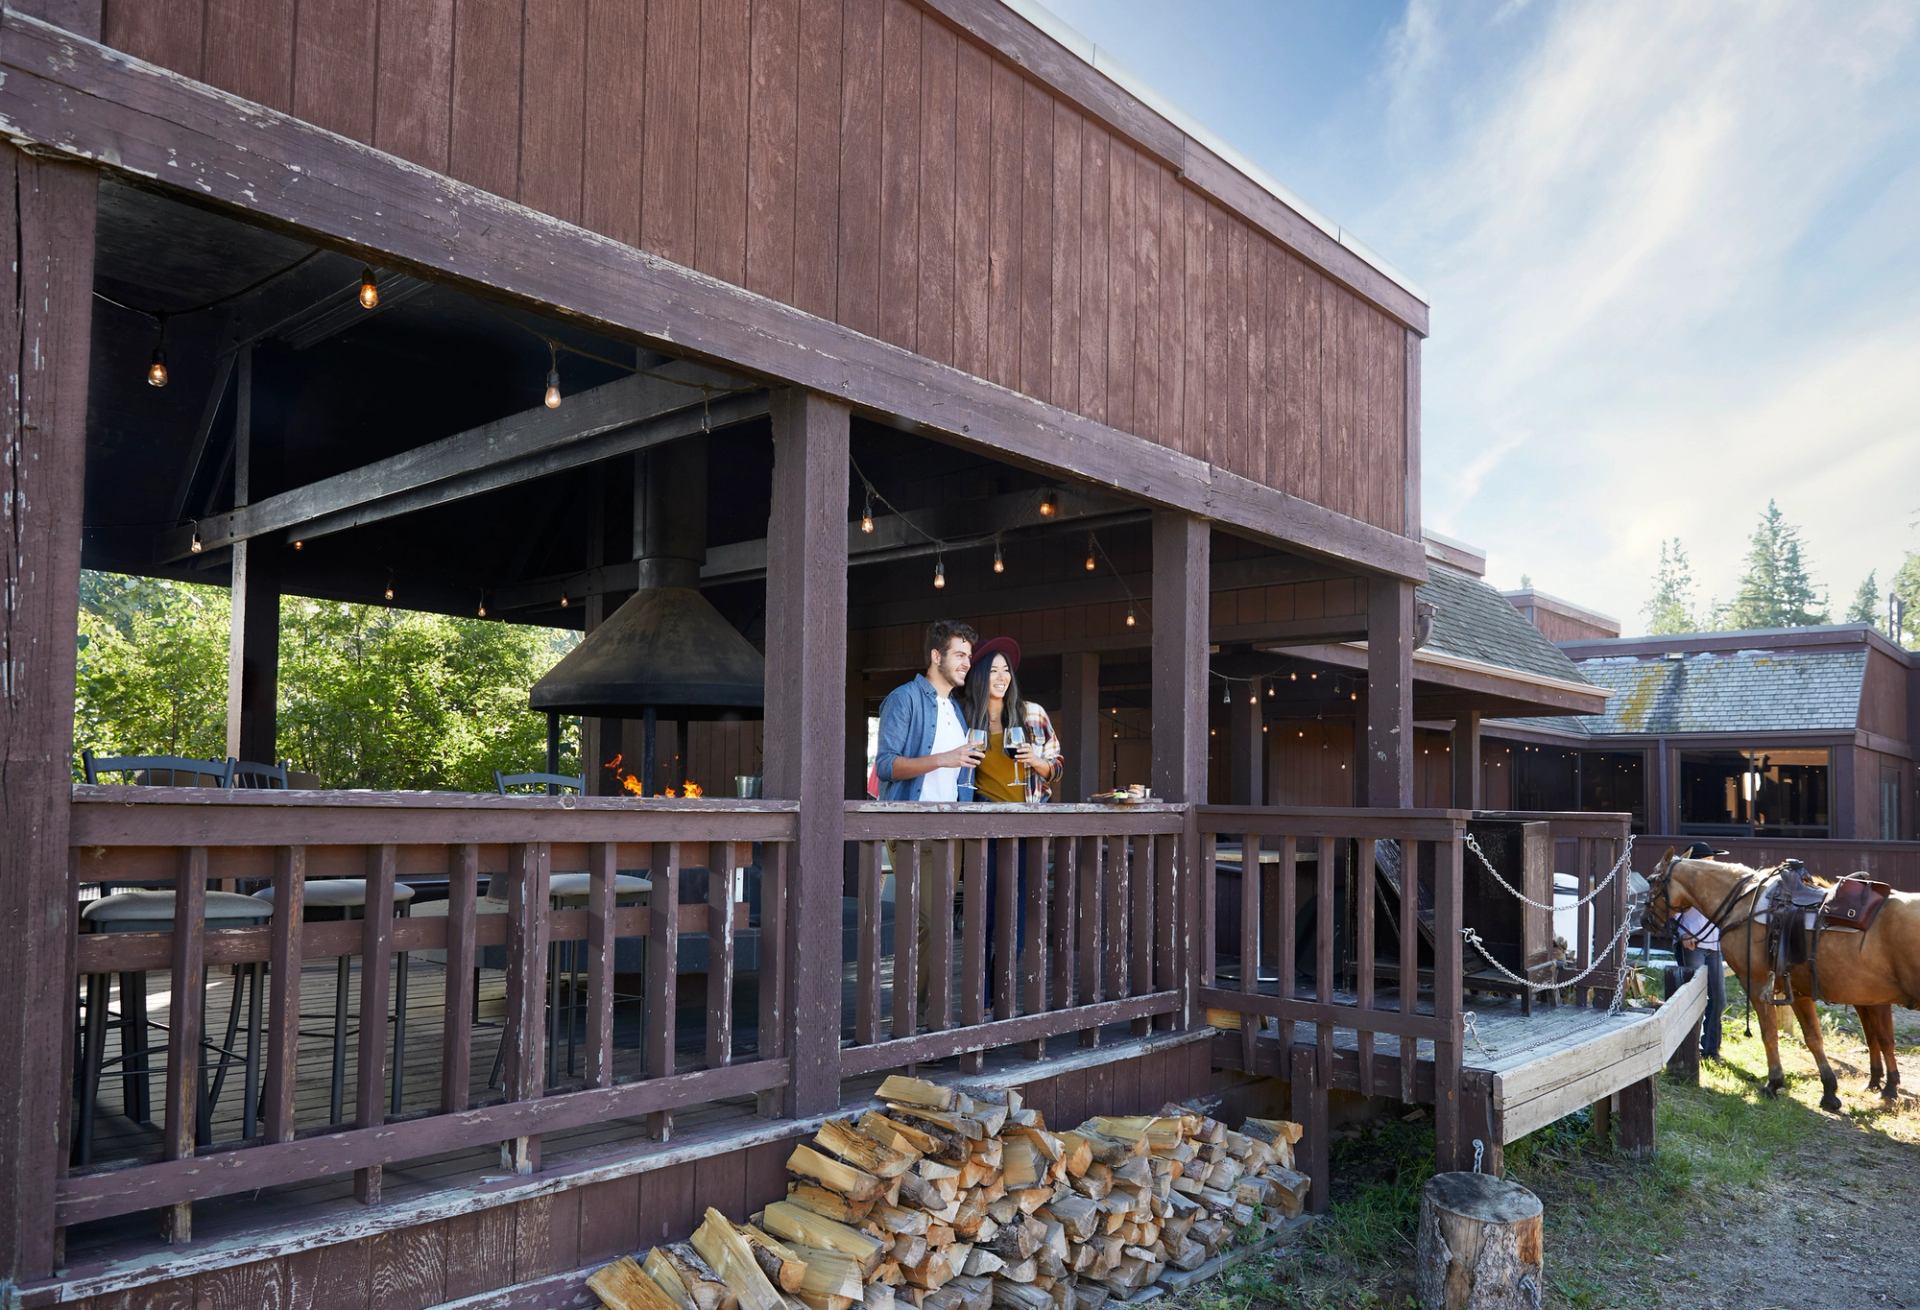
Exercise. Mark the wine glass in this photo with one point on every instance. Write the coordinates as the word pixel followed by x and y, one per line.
pixel 977 743
pixel 1014 739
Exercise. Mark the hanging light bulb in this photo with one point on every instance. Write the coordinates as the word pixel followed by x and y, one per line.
pixel 369 289
pixel 1294 676
pixel 1130 619
pixel 552 398
pixel 299 545
pixel 1091 565
pixel 1253 699
pixel 940 575
pixel 388 593
pixel 196 547
pixel 482 611
pixel 1269 691
pixel 1049 505
pixel 866 514
pixel 563 600
pixel 999 564
pixel 157 366
pixel 1226 694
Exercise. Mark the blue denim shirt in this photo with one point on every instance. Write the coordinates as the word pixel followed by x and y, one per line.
pixel 908 717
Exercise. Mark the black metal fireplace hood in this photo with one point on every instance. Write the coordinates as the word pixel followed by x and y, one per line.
pixel 666 649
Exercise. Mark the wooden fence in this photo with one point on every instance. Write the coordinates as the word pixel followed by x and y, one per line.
pixel 1895 862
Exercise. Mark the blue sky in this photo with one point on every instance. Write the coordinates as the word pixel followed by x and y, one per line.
pixel 1673 254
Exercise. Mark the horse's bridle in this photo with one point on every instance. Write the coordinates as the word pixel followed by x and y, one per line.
pixel 1659 888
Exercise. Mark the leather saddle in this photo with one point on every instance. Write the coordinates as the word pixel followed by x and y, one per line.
pixel 1800 909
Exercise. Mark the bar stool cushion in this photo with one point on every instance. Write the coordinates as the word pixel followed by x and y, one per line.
pixel 339 893
pixel 129 910
pixel 575 886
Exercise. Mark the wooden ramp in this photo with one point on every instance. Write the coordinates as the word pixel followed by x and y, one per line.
pixel 1539 1082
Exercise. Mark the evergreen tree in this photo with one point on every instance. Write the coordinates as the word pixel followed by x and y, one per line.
pixel 1671 607
pixel 1866 601
pixel 1776 591
pixel 1906 585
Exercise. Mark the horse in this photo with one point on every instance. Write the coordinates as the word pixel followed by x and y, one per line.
pixel 1869 971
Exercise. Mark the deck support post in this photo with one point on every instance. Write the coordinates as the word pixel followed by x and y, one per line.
pixel 47 218
pixel 1181 574
pixel 1482 1121
pixel 1389 697
pixel 1465 756
pixel 1249 746
pixel 1308 1107
pixel 253 649
pixel 1080 722
pixel 1634 1127
pixel 806 721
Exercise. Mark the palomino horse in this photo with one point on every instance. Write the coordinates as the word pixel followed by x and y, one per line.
pixel 1870 970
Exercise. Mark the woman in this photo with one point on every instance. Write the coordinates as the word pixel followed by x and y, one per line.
pixel 993 706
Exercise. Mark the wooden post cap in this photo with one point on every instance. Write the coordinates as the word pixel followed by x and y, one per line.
pixel 1479 1244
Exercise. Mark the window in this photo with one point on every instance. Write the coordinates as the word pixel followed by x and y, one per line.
pixel 1759 792
pixel 1615 782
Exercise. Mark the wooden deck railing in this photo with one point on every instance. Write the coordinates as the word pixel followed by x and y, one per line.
pixel 1101 893
pixel 1895 862
pixel 1588 846
pixel 1345 957
pixel 185 839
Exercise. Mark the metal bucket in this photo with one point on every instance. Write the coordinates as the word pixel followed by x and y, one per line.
pixel 746 786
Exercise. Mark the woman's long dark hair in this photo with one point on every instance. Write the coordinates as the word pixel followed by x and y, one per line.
pixel 1011 709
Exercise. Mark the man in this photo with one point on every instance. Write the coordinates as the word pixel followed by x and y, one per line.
pixel 1698 947
pixel 923 738
pixel 921 755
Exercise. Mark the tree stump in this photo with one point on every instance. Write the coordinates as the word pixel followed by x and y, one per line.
pixel 1479 1246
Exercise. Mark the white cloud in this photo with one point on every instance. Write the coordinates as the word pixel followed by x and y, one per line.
pixel 1646 317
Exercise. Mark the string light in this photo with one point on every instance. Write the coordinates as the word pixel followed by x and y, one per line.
pixel 999 564
pixel 482 611
pixel 1226 697
pixel 157 366
pixel 866 514
pixel 939 574
pixel 563 600
pixel 369 289
pixel 552 398
pixel 1131 621
pixel 1049 505
pixel 1091 564
pixel 1253 700
pixel 299 545
pixel 196 547
pixel 1294 676
pixel 1269 691
pixel 388 593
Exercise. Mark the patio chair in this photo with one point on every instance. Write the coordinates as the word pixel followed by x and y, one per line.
pixel 248 775
pixel 552 784
pixel 157 770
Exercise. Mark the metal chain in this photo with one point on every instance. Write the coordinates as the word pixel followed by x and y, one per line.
pixel 1626 857
pixel 1619 990
pixel 1471 1022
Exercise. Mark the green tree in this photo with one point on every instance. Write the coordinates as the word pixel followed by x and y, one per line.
pixel 369 696
pixel 1866 601
pixel 1670 608
pixel 1776 590
pixel 1906 585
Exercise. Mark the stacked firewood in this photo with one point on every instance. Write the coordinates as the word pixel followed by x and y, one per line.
pixel 951 1200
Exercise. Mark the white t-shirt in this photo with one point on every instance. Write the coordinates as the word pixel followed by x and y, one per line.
pixel 1697 926
pixel 948 732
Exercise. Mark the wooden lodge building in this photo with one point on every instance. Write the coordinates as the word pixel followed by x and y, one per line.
pixel 622 317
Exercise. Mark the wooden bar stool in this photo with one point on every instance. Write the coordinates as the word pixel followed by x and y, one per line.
pixel 151 910
pixel 332 900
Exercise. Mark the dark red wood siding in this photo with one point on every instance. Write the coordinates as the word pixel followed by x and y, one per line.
pixel 866 161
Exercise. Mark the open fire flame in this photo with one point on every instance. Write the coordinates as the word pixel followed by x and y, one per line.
pixel 631 784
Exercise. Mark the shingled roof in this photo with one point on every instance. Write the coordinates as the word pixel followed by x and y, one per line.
pixel 1724 691
pixel 1472 621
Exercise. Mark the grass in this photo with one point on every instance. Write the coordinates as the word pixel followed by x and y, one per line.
pixel 1619 1232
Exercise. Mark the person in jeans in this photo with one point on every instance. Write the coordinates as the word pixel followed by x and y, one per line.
pixel 1697 946
pixel 923 756
pixel 994 704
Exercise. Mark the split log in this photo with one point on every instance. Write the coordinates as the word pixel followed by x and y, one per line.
pixel 975 1293
pixel 899 1089
pixel 1292 1187
pixel 803 1226
pixel 864 1153
pixel 1479 1245
pixel 856 1185
pixel 828 1204
pixel 900 1136
pixel 1077 1214
pixel 705 1289
pixel 721 1246
pixel 1020 1296
pixel 623 1285
pixel 780 1262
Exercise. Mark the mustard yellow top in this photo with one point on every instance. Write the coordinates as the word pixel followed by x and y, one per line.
pixel 995 779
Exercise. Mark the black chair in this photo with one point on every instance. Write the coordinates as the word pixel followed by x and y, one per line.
pixel 249 775
pixel 158 770
pixel 550 783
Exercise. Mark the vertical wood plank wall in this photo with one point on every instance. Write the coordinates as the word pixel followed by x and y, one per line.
pixel 866 161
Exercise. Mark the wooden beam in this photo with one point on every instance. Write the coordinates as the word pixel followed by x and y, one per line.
pixel 807 617
pixel 46 224
pixel 1247 744
pixel 1465 761
pixel 608 420
pixel 74 97
pixel 1080 722
pixel 253 645
pixel 1181 558
pixel 1389 701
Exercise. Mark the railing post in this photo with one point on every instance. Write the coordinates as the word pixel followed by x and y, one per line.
pixel 805 721
pixel 1181 580
pixel 1389 699
pixel 47 218
pixel 1449 874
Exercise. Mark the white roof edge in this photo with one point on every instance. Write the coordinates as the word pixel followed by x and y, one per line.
pixel 1105 64
pixel 1442 660
pixel 1572 608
